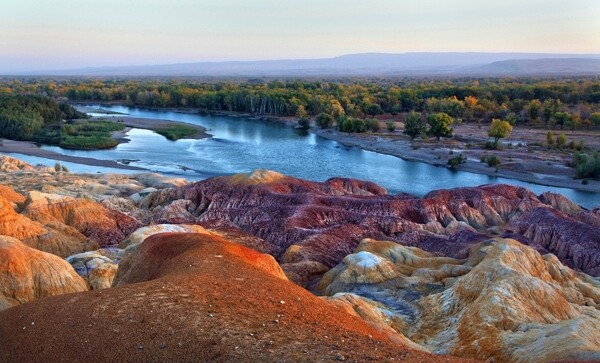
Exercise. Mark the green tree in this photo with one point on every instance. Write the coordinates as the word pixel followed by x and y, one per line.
pixel 303 119
pixel 533 109
pixel 345 124
pixel 562 119
pixel 440 125
pixel 499 129
pixel 374 109
pixel 574 121
pixel 561 141
pixel 551 107
pixel 373 125
pixel 324 120
pixel 414 125
pixel 301 112
pixel 595 118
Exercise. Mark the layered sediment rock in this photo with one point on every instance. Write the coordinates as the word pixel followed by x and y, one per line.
pixel 505 302
pixel 11 165
pixel 575 243
pixel 79 217
pixel 97 268
pixel 312 226
pixel 184 291
pixel 10 195
pixel 27 274
pixel 195 297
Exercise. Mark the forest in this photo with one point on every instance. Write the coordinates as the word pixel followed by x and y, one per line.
pixel 538 102
pixel 42 119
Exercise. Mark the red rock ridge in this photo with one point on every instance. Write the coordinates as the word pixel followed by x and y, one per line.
pixel 314 225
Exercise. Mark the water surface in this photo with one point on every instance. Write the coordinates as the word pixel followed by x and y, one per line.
pixel 242 145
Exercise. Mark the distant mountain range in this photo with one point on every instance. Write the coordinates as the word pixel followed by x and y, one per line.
pixel 368 64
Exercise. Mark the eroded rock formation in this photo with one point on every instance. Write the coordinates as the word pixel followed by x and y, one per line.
pixel 312 226
pixel 195 297
pixel 506 302
pixel 97 268
pixel 439 284
pixel 27 274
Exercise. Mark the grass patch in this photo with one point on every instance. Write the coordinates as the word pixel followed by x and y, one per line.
pixel 89 135
pixel 176 132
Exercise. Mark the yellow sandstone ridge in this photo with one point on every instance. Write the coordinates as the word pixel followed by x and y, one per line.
pixel 260 176
pixel 27 274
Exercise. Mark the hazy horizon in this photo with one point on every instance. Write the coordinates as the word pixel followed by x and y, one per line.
pixel 69 34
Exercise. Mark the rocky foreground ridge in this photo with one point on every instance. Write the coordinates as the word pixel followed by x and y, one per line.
pixel 262 266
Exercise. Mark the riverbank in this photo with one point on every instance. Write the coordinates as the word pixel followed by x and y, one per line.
pixel 523 157
pixel 149 124
pixel 31 149
pixel 542 169
pixel 129 122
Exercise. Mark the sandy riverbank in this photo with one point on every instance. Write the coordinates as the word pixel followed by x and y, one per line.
pixel 148 124
pixel 528 168
pixel 141 123
pixel 539 167
pixel 543 167
pixel 31 149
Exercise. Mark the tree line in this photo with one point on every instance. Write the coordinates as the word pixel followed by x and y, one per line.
pixel 559 102
pixel 22 117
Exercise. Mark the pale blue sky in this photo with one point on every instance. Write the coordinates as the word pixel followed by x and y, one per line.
pixel 58 34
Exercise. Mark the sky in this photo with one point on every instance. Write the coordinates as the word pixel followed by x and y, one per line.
pixel 38 35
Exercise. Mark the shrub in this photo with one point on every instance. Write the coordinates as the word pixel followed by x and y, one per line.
pixel 304 123
pixel 492 160
pixel 351 124
pixel 561 141
pixel 372 124
pixel 391 126
pixel 586 165
pixel 176 132
pixel 490 145
pixel 550 139
pixel 359 125
pixel 456 161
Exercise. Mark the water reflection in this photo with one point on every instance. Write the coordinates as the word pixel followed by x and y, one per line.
pixel 241 145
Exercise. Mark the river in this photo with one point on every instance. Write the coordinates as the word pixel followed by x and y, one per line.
pixel 242 145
